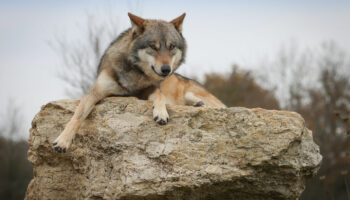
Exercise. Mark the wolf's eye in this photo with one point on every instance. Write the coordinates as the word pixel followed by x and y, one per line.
pixel 153 47
pixel 171 47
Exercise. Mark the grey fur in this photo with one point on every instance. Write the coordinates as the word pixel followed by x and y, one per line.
pixel 122 54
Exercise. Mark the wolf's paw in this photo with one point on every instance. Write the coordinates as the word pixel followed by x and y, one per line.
pixel 160 116
pixel 198 104
pixel 62 143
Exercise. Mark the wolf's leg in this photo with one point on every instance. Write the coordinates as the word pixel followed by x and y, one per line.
pixel 104 86
pixel 196 95
pixel 160 114
pixel 192 99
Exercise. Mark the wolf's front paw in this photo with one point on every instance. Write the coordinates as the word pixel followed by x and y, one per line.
pixel 160 116
pixel 198 104
pixel 62 143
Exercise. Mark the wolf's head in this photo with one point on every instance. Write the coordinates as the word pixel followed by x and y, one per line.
pixel 158 47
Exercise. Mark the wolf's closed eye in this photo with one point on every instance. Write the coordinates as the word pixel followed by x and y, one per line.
pixel 153 47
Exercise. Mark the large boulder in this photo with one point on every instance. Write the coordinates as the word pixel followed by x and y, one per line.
pixel 203 153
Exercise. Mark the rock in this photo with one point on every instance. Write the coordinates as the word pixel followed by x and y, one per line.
pixel 203 153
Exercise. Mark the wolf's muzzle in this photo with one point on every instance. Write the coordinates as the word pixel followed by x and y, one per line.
pixel 165 69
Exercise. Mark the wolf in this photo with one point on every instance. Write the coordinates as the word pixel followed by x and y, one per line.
pixel 135 64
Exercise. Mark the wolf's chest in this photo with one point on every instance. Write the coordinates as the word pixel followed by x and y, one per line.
pixel 134 81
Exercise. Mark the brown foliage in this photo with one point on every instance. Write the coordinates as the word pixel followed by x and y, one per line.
pixel 239 88
pixel 318 102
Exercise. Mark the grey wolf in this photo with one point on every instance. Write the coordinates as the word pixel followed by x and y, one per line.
pixel 135 64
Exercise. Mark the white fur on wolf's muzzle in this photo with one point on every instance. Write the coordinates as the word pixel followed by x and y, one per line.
pixel 149 61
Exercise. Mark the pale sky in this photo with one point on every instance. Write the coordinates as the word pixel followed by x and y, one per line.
pixel 219 33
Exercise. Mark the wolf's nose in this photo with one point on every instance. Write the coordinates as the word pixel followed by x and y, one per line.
pixel 165 69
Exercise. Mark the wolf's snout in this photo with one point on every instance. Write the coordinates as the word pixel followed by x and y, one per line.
pixel 165 69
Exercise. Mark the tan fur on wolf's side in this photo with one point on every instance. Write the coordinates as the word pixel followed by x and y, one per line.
pixel 179 90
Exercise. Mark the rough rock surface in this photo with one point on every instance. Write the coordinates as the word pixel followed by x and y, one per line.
pixel 203 153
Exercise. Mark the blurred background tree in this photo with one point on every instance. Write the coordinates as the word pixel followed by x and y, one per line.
pixel 239 88
pixel 80 58
pixel 15 169
pixel 316 84
pixel 329 95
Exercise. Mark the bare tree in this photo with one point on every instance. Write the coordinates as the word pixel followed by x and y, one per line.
pixel 15 170
pixel 11 122
pixel 316 84
pixel 345 120
pixel 80 58
pixel 289 73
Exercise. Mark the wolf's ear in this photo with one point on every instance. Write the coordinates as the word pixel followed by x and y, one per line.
pixel 178 22
pixel 136 22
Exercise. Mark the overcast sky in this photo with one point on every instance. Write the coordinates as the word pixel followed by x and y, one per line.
pixel 218 33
